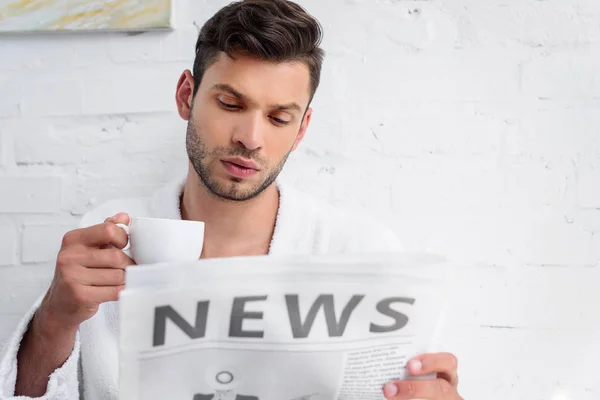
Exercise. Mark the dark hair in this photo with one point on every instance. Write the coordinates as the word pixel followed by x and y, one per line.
pixel 270 30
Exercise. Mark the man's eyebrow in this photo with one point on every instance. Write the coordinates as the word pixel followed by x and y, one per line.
pixel 228 89
pixel 286 107
pixel 223 87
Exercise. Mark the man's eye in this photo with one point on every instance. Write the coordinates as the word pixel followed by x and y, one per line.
pixel 228 106
pixel 279 121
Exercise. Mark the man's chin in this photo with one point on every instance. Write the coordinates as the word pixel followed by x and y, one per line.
pixel 234 189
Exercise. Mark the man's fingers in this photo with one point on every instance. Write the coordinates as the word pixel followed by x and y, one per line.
pixel 94 258
pixel 102 294
pixel 106 258
pixel 436 389
pixel 120 218
pixel 98 235
pixel 443 364
pixel 103 277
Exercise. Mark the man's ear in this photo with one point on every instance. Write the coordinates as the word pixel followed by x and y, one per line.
pixel 303 128
pixel 185 94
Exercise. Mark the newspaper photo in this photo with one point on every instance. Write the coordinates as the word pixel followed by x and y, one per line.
pixel 277 328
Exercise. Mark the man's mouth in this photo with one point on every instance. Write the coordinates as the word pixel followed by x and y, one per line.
pixel 240 168
pixel 242 163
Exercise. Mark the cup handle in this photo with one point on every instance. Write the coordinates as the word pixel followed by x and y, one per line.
pixel 126 249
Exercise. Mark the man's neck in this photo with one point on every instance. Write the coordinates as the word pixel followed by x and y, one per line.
pixel 232 228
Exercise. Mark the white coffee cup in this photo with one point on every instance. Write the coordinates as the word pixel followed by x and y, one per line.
pixel 157 240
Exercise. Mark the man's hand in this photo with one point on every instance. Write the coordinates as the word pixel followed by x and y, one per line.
pixel 90 270
pixel 444 387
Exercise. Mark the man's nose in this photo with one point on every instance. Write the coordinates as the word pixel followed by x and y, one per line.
pixel 249 132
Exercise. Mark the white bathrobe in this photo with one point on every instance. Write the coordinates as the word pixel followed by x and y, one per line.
pixel 305 225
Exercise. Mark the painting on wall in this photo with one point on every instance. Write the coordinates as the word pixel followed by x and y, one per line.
pixel 84 15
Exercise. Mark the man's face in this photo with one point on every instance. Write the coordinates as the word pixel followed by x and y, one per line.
pixel 245 119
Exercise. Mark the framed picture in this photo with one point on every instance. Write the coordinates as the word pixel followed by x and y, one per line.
pixel 85 15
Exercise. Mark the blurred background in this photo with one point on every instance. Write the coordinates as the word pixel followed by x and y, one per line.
pixel 472 127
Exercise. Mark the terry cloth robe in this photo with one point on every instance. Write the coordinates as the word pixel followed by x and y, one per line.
pixel 305 226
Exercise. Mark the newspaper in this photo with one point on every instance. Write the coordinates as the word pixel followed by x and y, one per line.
pixel 277 328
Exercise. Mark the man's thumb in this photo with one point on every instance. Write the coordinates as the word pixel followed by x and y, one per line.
pixel 120 218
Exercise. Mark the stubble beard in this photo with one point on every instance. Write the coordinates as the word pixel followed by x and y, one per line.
pixel 201 158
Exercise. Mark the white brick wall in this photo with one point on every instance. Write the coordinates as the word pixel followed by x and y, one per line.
pixel 8 242
pixel 30 194
pixel 41 241
pixel 471 126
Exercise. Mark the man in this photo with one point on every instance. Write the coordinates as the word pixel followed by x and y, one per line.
pixel 247 104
